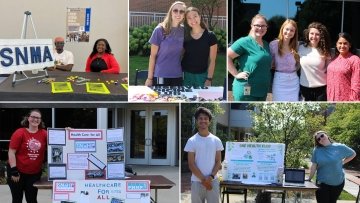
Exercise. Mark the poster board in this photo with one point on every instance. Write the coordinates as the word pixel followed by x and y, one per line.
pixel 78 24
pixel 25 54
pixel 86 154
pixel 254 162
pixel 101 191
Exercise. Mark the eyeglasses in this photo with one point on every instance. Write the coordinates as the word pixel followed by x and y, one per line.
pixel 320 137
pixel 35 117
pixel 260 26
pixel 178 11
pixel 59 43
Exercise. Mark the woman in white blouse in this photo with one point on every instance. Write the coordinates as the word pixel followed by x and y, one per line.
pixel 314 57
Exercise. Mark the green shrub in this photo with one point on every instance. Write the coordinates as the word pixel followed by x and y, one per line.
pixel 138 39
pixel 221 38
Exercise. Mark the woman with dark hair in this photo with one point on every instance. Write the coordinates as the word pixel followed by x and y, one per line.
pixel 26 155
pixel 166 46
pixel 327 160
pixel 200 49
pixel 343 73
pixel 314 57
pixel 101 59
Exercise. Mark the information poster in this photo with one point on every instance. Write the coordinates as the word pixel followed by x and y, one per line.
pixel 101 191
pixel 78 24
pixel 254 162
pixel 86 154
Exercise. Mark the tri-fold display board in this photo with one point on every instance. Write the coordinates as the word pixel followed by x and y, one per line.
pixel 88 166
pixel 82 154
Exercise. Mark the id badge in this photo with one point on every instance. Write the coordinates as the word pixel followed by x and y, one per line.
pixel 247 89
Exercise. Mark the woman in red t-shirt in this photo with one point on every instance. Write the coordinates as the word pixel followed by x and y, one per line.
pixel 26 155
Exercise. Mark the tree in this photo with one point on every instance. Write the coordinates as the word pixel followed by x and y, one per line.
pixel 343 125
pixel 329 14
pixel 288 123
pixel 188 127
pixel 274 23
pixel 208 8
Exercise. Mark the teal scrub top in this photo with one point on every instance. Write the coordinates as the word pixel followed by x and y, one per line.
pixel 255 60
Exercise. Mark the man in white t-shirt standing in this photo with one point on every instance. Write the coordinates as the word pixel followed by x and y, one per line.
pixel 64 60
pixel 204 158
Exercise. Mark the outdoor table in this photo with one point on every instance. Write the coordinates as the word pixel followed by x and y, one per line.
pixel 33 90
pixel 176 94
pixel 356 180
pixel 156 182
pixel 308 187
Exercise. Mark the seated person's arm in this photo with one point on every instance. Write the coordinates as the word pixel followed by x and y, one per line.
pixel 67 67
pixel 113 66
pixel 88 62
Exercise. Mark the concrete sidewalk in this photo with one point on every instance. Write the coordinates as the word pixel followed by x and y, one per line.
pixel 164 196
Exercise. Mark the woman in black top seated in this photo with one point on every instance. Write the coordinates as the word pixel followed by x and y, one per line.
pixel 101 59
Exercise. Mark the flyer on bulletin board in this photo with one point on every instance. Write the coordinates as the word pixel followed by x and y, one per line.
pixel 254 162
pixel 61 87
pixel 97 88
pixel 101 191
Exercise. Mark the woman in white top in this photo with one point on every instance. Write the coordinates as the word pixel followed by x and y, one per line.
pixel 314 57
pixel 285 57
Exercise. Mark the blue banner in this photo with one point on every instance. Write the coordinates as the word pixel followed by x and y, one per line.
pixel 87 19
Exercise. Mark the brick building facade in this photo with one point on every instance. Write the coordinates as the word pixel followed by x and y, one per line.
pixel 162 6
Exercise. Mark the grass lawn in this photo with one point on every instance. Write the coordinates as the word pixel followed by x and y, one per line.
pixel 346 196
pixel 142 62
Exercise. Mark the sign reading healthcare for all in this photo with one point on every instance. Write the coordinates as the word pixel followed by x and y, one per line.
pixel 101 191
pixel 25 54
pixel 85 134
pixel 254 162
pixel 78 24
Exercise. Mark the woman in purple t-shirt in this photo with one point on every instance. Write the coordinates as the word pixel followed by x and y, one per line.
pixel 166 47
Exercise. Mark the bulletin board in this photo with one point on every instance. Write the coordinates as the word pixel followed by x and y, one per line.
pixel 86 154
pixel 254 162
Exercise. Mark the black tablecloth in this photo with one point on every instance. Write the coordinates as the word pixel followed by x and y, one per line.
pixel 31 90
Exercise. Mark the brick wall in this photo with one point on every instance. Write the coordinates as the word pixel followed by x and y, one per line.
pixel 162 6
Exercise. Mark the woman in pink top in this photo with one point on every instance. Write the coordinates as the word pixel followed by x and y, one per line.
pixel 343 73
pixel 285 57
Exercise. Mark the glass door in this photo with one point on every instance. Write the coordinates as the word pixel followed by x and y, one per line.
pixel 159 137
pixel 138 137
pixel 148 138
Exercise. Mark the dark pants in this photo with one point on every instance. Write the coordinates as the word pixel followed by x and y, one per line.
pixel 169 81
pixel 314 94
pixel 328 193
pixel 25 184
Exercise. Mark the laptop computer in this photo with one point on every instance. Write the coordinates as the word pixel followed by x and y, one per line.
pixel 294 177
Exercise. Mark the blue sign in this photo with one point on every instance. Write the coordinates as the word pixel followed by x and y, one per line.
pixel 87 19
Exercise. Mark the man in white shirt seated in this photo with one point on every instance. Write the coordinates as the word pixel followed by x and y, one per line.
pixel 64 60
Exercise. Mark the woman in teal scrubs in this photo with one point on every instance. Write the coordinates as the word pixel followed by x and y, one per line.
pixel 252 75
